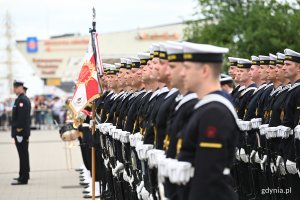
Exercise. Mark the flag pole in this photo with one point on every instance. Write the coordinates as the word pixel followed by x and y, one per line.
pixel 93 31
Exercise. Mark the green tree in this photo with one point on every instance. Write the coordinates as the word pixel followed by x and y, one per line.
pixel 247 27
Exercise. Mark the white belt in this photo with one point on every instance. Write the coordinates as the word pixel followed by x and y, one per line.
pixel 256 122
pixel 179 172
pixel 284 132
pixel 271 132
pixel 153 155
pixel 262 129
pixel 133 139
pixel 244 125
pixel 124 138
pixel 142 149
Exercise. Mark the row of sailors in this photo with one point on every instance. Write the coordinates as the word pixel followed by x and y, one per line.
pixel 267 102
pixel 159 134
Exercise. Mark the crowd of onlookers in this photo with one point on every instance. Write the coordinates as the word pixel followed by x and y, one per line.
pixel 46 112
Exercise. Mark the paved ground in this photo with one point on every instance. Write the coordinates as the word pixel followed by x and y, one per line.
pixel 51 177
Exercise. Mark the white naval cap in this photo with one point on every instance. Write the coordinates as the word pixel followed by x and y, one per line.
pixel 292 55
pixel 135 62
pixel 18 83
pixel 25 85
pixel 109 68
pixel 224 78
pixel 118 66
pixel 105 67
pixel 174 51
pixel 113 69
pixel 280 58
pixel 155 49
pixel 273 59
pixel 255 60
pixel 162 47
pixel 129 63
pixel 203 52
pixel 244 63
pixel 134 59
pixel 123 62
pixel 144 57
pixel 233 61
pixel 264 60
pixel 163 51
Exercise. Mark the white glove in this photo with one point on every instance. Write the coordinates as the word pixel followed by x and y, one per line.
pixel 237 154
pixel 125 176
pixel 291 167
pixel 113 172
pixel 145 194
pixel 252 156
pixel 273 168
pixel 119 168
pixel 244 156
pixel 256 158
pixel 280 165
pixel 298 173
pixel 92 122
pixel 262 163
pixel 139 189
pixel 106 162
pixel 19 138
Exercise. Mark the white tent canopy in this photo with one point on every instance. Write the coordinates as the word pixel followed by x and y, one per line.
pixel 21 70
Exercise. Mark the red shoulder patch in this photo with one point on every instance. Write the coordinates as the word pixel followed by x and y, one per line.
pixel 211 131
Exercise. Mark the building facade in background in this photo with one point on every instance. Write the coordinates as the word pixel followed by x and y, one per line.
pixel 58 60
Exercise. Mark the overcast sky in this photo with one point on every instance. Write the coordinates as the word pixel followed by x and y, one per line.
pixel 44 18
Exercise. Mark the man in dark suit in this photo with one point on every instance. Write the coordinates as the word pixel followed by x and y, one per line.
pixel 20 131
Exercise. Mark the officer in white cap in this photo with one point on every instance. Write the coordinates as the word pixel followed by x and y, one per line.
pixel 20 130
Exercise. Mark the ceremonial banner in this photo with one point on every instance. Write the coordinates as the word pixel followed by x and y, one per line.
pixel 87 85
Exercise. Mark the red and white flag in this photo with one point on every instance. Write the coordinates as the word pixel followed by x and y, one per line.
pixel 87 85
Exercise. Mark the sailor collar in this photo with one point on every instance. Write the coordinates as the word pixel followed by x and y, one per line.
pixel 118 95
pixel 296 84
pixel 242 87
pixel 163 90
pixel 172 91
pixel 154 94
pixel 186 99
pixel 147 93
pixel 259 88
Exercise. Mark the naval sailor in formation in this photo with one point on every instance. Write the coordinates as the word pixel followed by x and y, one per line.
pixel 267 103
pixel 169 125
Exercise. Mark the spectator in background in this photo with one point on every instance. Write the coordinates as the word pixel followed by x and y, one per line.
pixel 40 112
pixel 57 110
pixel 37 112
pixel 2 116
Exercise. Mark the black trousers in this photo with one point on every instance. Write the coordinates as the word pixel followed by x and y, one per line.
pixel 23 153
